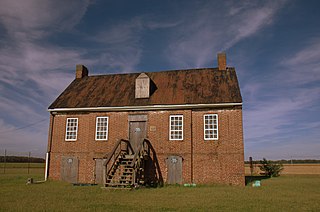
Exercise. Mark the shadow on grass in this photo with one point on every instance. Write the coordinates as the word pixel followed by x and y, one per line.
pixel 249 179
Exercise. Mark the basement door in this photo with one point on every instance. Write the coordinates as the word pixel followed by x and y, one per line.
pixel 69 169
pixel 137 133
pixel 174 164
pixel 98 172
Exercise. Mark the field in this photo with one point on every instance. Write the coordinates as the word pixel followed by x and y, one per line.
pixel 22 168
pixel 285 193
pixel 290 169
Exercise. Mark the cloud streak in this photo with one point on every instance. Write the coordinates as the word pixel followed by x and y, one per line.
pixel 33 70
pixel 34 19
pixel 212 29
pixel 285 106
pixel 280 96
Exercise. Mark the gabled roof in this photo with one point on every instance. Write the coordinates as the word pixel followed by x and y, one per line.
pixel 193 86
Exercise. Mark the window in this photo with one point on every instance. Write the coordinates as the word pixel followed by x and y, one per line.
pixel 102 128
pixel 176 127
pixel 71 129
pixel 211 127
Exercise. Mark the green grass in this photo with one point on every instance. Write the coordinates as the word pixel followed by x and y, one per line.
pixel 22 168
pixel 285 193
pixel 22 165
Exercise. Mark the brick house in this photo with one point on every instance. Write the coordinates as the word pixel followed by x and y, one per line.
pixel 182 126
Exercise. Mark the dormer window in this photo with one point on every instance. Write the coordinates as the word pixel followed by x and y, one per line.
pixel 142 86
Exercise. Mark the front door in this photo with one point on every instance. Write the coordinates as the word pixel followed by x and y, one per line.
pixel 137 133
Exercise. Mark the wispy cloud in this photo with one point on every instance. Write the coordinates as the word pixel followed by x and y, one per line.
pixel 211 28
pixel 32 139
pixel 33 75
pixel 285 106
pixel 123 32
pixel 28 63
pixel 277 114
pixel 303 66
pixel 23 58
pixel 35 19
pixel 297 148
pixel 248 18
pixel 122 42
pixel 120 45
pixel 35 67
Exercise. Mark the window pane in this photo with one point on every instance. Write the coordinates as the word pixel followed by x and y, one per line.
pixel 210 127
pixel 176 127
pixel 102 128
pixel 71 128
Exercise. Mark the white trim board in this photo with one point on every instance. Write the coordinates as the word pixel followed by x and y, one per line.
pixel 148 107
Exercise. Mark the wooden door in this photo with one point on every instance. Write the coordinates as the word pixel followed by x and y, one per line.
pixel 98 172
pixel 174 164
pixel 69 169
pixel 137 133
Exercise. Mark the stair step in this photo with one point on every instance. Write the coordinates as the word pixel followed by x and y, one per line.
pixel 122 173
pixel 127 173
pixel 125 182
pixel 117 184
pixel 118 188
pixel 125 163
pixel 126 166
pixel 126 177
pixel 128 157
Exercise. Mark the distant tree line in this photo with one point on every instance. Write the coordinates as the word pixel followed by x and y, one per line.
pixel 293 161
pixel 21 159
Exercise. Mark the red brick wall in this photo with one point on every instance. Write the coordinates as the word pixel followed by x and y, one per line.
pixel 223 159
pixel 218 161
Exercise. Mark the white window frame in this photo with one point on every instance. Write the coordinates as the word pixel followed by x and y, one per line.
pixel 211 127
pixel 172 131
pixel 68 130
pixel 102 131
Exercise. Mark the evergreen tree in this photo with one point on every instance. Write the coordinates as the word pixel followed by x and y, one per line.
pixel 269 168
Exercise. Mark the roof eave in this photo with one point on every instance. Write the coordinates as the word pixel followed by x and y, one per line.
pixel 148 107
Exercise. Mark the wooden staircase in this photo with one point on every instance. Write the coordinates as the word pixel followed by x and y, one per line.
pixel 121 174
pixel 126 168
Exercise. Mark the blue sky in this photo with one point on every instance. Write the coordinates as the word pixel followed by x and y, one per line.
pixel 274 46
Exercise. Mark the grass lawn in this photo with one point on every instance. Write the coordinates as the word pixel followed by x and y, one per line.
pixel 22 168
pixel 285 193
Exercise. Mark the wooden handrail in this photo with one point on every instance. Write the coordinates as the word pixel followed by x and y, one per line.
pixel 114 155
pixel 139 151
pixel 136 162
pixel 115 148
pixel 144 148
pixel 147 148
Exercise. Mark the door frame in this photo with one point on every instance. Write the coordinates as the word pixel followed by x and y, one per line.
pixel 73 165
pixel 101 161
pixel 138 118
pixel 180 159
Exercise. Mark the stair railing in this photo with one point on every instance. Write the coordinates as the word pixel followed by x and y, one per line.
pixel 122 147
pixel 138 158
pixel 146 149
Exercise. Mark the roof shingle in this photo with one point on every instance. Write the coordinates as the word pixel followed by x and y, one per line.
pixel 193 86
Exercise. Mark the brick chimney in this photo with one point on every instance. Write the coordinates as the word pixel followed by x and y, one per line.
pixel 222 61
pixel 81 71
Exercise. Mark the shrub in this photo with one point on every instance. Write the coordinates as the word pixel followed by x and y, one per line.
pixel 269 168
